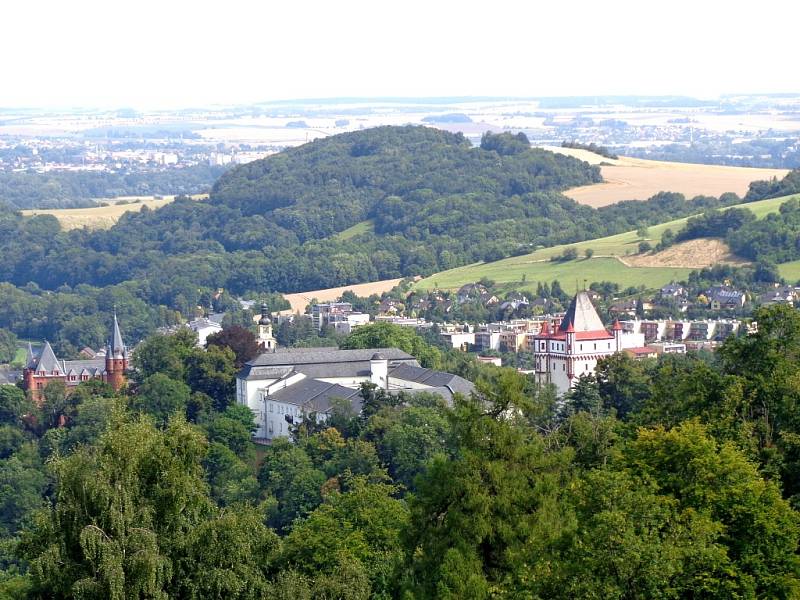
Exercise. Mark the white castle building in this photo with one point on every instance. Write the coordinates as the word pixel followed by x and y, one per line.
pixel 283 385
pixel 572 350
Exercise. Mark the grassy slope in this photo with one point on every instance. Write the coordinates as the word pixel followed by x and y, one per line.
pixel 790 271
pixel 357 229
pixel 603 266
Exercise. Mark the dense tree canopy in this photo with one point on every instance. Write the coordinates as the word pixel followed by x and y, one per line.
pixel 673 478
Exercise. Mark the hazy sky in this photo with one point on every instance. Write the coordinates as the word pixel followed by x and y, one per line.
pixel 177 53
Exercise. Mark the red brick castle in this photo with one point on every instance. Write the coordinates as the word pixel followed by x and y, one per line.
pixel 40 370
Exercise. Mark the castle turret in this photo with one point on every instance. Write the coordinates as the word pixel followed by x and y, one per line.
pixel 116 358
pixel 616 329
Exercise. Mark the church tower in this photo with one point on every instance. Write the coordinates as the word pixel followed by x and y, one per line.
pixel 116 358
pixel 265 339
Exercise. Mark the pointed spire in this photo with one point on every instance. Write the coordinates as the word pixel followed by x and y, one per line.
pixel 582 315
pixel 117 345
pixel 29 358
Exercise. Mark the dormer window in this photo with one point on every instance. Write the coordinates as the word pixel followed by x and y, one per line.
pixel 42 373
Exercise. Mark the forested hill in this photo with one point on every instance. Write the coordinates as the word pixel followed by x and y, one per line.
pixel 396 176
pixel 421 201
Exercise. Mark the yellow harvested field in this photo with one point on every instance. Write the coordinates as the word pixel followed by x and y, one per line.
pixel 300 300
pixel 638 179
pixel 103 217
pixel 692 254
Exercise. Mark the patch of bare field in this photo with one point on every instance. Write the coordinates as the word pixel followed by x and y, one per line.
pixel 639 179
pixel 102 217
pixel 692 254
pixel 300 300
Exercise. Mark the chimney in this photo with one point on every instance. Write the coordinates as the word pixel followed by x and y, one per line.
pixel 379 371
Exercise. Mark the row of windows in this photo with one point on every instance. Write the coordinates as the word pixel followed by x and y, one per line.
pixel 564 366
pixel 580 346
pixel 284 410
pixel 69 378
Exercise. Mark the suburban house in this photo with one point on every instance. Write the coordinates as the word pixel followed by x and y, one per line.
pixel 672 290
pixel 783 294
pixel 476 291
pixel 723 297
pixel 44 368
pixel 282 386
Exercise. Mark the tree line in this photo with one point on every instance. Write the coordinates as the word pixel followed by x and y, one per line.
pixel 674 478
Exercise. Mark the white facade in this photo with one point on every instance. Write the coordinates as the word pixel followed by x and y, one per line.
pixel 203 328
pixel 458 339
pixel 283 385
pixel 581 340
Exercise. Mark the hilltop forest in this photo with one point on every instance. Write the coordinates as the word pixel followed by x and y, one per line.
pixel 422 200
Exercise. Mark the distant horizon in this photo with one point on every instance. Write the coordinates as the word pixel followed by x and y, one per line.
pixel 410 99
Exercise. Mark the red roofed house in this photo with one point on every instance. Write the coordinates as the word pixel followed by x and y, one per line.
pixel 572 350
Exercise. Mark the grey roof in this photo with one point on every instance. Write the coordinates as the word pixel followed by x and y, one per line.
pixel 48 362
pixel 92 365
pixel 117 345
pixel 582 315
pixel 313 395
pixel 722 294
pixel 255 372
pixel 308 356
pixel 30 357
pixel 435 379
pixel 8 376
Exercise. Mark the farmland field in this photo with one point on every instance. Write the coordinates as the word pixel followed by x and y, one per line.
pixel 300 300
pixel 606 264
pixel 103 217
pixel 639 179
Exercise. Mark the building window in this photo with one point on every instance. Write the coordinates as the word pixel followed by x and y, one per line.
pixel 270 407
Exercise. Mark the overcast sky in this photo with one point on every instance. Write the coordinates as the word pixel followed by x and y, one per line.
pixel 176 53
